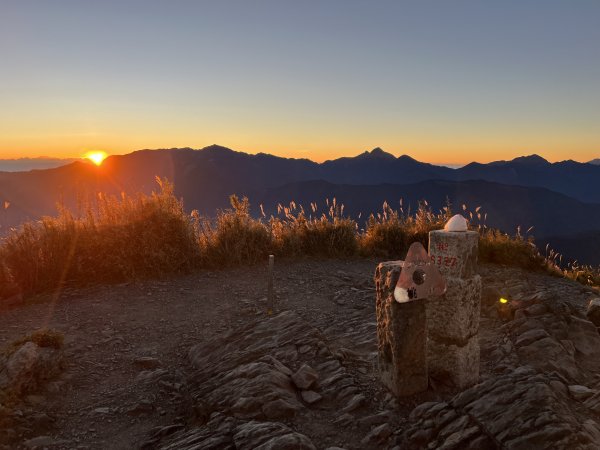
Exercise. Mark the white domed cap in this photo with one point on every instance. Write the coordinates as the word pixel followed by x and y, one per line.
pixel 456 223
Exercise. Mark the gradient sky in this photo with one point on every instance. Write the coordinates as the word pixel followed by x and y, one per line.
pixel 443 81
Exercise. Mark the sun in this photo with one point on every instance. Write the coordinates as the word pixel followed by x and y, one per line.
pixel 97 157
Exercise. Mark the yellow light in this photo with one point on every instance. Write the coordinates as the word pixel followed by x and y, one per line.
pixel 96 157
pixel 503 300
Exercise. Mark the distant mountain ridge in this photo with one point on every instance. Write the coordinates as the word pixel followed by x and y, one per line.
pixel 205 178
pixel 25 164
pixel 507 207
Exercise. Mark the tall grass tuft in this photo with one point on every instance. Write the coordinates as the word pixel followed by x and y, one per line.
pixel 114 239
pixel 234 238
pixel 330 234
pixel 500 248
pixel 391 232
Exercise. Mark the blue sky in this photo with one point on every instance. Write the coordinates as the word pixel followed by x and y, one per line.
pixel 443 81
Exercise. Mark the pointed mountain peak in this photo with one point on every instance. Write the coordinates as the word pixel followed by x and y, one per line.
pixel 378 153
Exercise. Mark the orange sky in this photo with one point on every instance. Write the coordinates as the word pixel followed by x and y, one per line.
pixel 423 148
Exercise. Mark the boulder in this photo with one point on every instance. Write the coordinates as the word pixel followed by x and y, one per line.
pixel 593 311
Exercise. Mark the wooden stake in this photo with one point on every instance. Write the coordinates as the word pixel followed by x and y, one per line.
pixel 270 300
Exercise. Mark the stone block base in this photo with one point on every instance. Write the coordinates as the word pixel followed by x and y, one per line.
pixel 401 334
pixel 453 364
pixel 454 316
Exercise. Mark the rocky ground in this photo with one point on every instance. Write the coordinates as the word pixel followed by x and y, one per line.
pixel 195 362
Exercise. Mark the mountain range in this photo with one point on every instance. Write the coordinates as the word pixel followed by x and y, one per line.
pixel 560 199
pixel 23 164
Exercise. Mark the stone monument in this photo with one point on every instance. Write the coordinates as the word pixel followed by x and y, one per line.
pixel 402 289
pixel 453 318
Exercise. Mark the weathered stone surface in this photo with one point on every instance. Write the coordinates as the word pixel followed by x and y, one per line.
pixel 579 392
pixel 454 253
pixel 226 432
pixel 305 377
pixel 454 365
pixel 454 316
pixel 593 311
pixel 246 377
pixel 378 435
pixel 279 409
pixel 518 410
pixel 402 335
pixel 311 397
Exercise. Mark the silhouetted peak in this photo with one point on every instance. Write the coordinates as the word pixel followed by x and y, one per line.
pixel 407 158
pixel 376 153
pixel 215 148
pixel 595 161
pixel 530 160
pixel 380 153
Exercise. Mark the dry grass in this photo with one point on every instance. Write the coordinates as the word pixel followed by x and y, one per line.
pixel 114 239
pixel 296 233
pixel 234 238
pixel 389 233
pixel 124 238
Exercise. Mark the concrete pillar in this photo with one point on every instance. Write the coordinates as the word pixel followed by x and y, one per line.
pixel 453 318
pixel 402 335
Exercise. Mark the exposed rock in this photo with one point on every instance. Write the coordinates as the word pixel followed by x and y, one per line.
pixel 279 409
pixel 579 392
pixel 226 432
pixel 593 311
pixel 147 362
pixel 545 418
pixel 310 397
pixel 378 435
pixel 354 403
pixel 305 377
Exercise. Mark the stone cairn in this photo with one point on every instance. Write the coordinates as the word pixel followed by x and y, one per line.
pixel 435 337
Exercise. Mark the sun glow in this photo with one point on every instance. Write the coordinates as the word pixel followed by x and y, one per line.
pixel 97 157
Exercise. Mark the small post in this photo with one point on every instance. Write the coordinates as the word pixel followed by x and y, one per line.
pixel 270 300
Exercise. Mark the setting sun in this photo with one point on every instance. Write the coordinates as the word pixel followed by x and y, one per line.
pixel 96 157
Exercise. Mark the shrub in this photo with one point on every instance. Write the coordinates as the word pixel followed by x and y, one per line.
pixel 235 238
pixel 500 248
pixel 327 235
pixel 116 239
pixel 390 233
